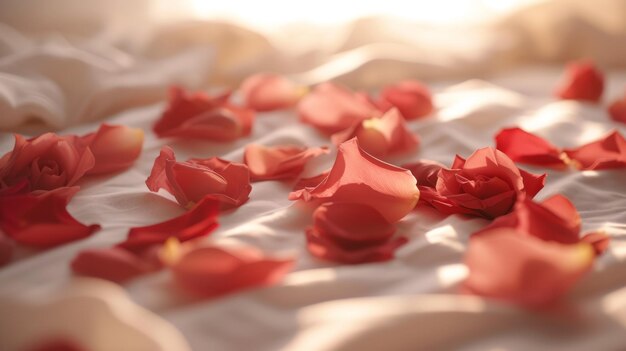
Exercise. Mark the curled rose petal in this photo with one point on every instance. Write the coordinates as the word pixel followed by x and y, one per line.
pixel 47 162
pixel 332 108
pixel 310 182
pixel 269 92
pixel 199 221
pixel 527 148
pixel 426 172
pixel 201 116
pixel 357 177
pixel 581 81
pixel 42 220
pixel 114 147
pixel 278 162
pixel 617 110
pixel 6 249
pixel 411 97
pixel 192 180
pixel 606 153
pixel 507 265
pixel 388 134
pixel 598 240
pixel 487 184
pixel 214 271
pixel 351 233
pixel 114 264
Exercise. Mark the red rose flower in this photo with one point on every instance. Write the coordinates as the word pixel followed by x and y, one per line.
pixel 42 220
pixel 269 92
pixel 278 162
pixel 351 233
pixel 582 81
pixel 379 137
pixel 192 180
pixel 357 177
pixel 487 184
pixel 114 147
pixel 213 271
pixel 201 116
pixel 617 110
pixel 332 108
pixel 523 269
pixel 47 162
pixel 410 97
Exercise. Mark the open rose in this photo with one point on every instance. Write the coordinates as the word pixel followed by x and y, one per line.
pixel 47 162
pixel 410 97
pixel 581 81
pixel 268 92
pixel 358 177
pixel 351 233
pixel 487 184
pixel 380 136
pixel 201 116
pixel 192 180
pixel 278 162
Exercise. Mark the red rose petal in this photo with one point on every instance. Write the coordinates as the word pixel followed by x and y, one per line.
pixel 581 81
pixel 617 110
pixel 199 221
pixel 381 136
pixel 114 147
pixel 527 148
pixel 6 249
pixel 278 162
pixel 201 116
pixel 332 108
pixel 114 264
pixel 411 97
pixel 57 344
pixel 42 220
pixel 213 271
pixel 598 240
pixel 505 264
pixel 606 153
pixel 310 182
pixel 357 177
pixel 269 92
pixel 426 172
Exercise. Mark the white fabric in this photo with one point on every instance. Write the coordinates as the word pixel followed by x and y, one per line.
pixel 409 303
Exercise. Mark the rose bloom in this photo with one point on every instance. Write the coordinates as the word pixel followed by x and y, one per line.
pixel 487 185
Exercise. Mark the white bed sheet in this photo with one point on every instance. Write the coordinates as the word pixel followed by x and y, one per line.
pixel 410 303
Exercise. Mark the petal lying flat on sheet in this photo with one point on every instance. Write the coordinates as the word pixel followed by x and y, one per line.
pixel 114 264
pixel 214 271
pixel 192 180
pixel 410 97
pixel 524 147
pixel 606 153
pixel 332 108
pixel 617 110
pixel 351 233
pixel 199 221
pixel 269 92
pixel 200 116
pixel 508 265
pixel 357 177
pixel 42 220
pixel 278 162
pixel 114 147
pixel 581 81
pixel 381 136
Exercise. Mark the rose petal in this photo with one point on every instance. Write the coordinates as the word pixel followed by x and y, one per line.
pixel 505 264
pixel 617 110
pixel 278 162
pixel 410 97
pixel 332 108
pixel 581 81
pixel 598 240
pixel 201 116
pixel 381 136
pixel 57 344
pixel 199 221
pixel 213 271
pixel 310 182
pixel 114 264
pixel 114 147
pixel 42 220
pixel 426 172
pixel 357 177
pixel 269 92
pixel 606 153
pixel 524 147
pixel 6 249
